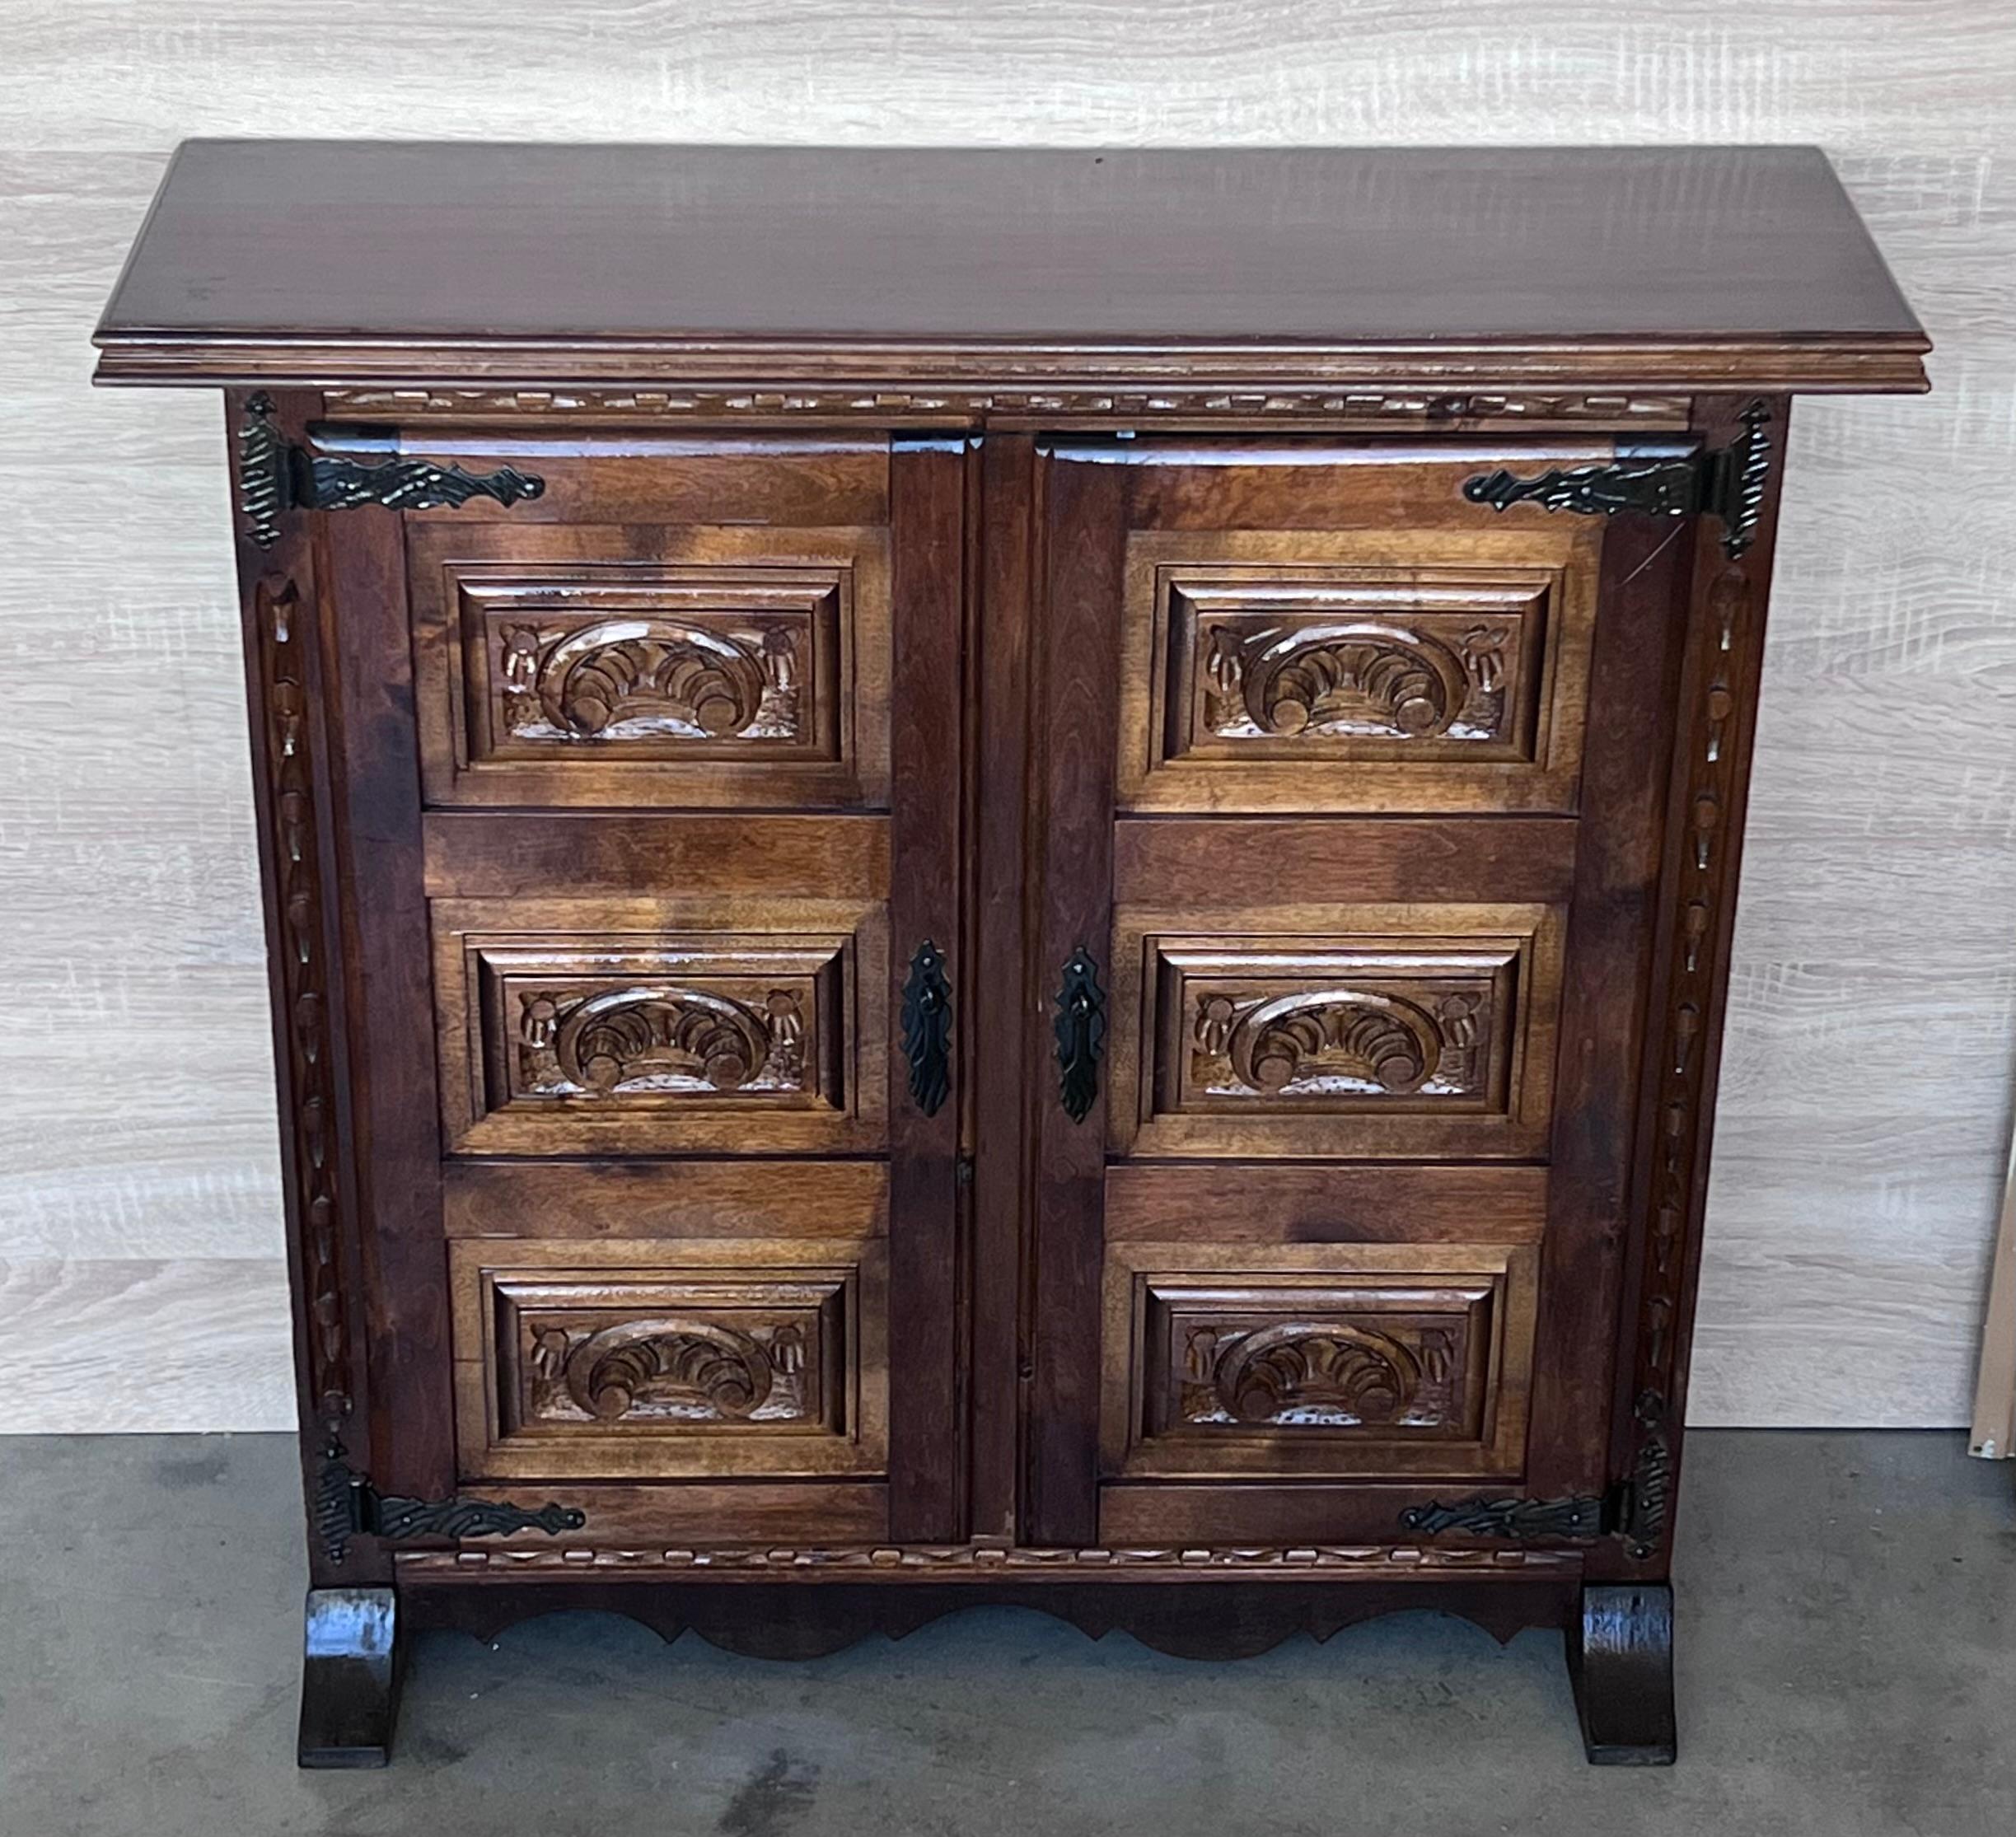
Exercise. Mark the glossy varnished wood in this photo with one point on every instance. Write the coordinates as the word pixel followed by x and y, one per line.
pixel 394 1142
pixel 927 692
pixel 151 1214
pixel 1011 1078
pixel 350 1677
pixel 1081 505
pixel 1618 849
pixel 1343 1257
pixel 1668 265
pixel 1620 1659
pixel 1707 799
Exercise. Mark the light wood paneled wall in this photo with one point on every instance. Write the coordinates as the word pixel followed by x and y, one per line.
pixel 1867 1092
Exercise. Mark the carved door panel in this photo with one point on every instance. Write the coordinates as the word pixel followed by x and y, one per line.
pixel 672 874
pixel 1349 801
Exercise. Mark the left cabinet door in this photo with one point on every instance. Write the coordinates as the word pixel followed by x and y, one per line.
pixel 646 803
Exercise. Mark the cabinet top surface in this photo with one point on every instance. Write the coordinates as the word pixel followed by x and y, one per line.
pixel 334 261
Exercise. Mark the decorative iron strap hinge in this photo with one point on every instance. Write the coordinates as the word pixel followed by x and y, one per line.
pixel 346 1505
pixel 1634 1509
pixel 1727 483
pixel 275 476
pixel 1584 1516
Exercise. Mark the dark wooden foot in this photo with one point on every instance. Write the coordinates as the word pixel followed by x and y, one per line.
pixel 349 1679
pixel 1621 1660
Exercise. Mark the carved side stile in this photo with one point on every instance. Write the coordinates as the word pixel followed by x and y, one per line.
pixel 1725 652
pixel 279 610
pixel 281 638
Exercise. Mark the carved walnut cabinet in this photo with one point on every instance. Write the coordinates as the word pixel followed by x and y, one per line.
pixel 999 877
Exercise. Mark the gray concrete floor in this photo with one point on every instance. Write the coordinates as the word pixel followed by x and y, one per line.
pixel 1847 1665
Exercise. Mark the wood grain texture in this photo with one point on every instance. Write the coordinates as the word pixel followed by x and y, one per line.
pixel 279 260
pixel 1867 1077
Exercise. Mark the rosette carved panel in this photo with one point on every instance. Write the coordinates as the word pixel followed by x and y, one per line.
pixel 1332 1358
pixel 750 1357
pixel 587 1042
pixel 1302 678
pixel 738 667
pixel 1367 1042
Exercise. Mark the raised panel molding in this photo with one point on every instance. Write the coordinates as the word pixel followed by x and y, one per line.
pixel 1350 1031
pixel 1274 1027
pixel 740 667
pixel 1304 670
pixel 567 1041
pixel 653 665
pixel 699 1356
pixel 1315 1359
pixel 754 1358
pixel 1413 669
pixel 676 1021
pixel 1394 1361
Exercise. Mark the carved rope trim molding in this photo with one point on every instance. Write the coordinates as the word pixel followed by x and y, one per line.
pixel 297 875
pixel 1149 403
pixel 957 1559
pixel 1727 642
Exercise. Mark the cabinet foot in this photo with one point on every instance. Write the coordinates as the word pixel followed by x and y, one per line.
pixel 349 1677
pixel 1620 1658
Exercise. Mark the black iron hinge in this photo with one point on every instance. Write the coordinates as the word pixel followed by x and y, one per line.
pixel 346 1505
pixel 1633 1509
pixel 1583 1515
pixel 275 476
pixel 1727 483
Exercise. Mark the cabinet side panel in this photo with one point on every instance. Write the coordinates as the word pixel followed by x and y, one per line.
pixel 1706 799
pixel 367 650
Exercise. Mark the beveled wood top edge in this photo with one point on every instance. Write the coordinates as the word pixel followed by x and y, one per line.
pixel 1864 364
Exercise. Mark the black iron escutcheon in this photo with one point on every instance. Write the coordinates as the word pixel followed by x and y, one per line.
pixel 275 476
pixel 928 1029
pixel 1727 483
pixel 1081 1033
pixel 346 1505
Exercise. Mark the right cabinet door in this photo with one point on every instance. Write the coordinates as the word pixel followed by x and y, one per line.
pixel 1349 793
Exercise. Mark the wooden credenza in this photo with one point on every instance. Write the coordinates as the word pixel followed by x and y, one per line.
pixel 999 877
